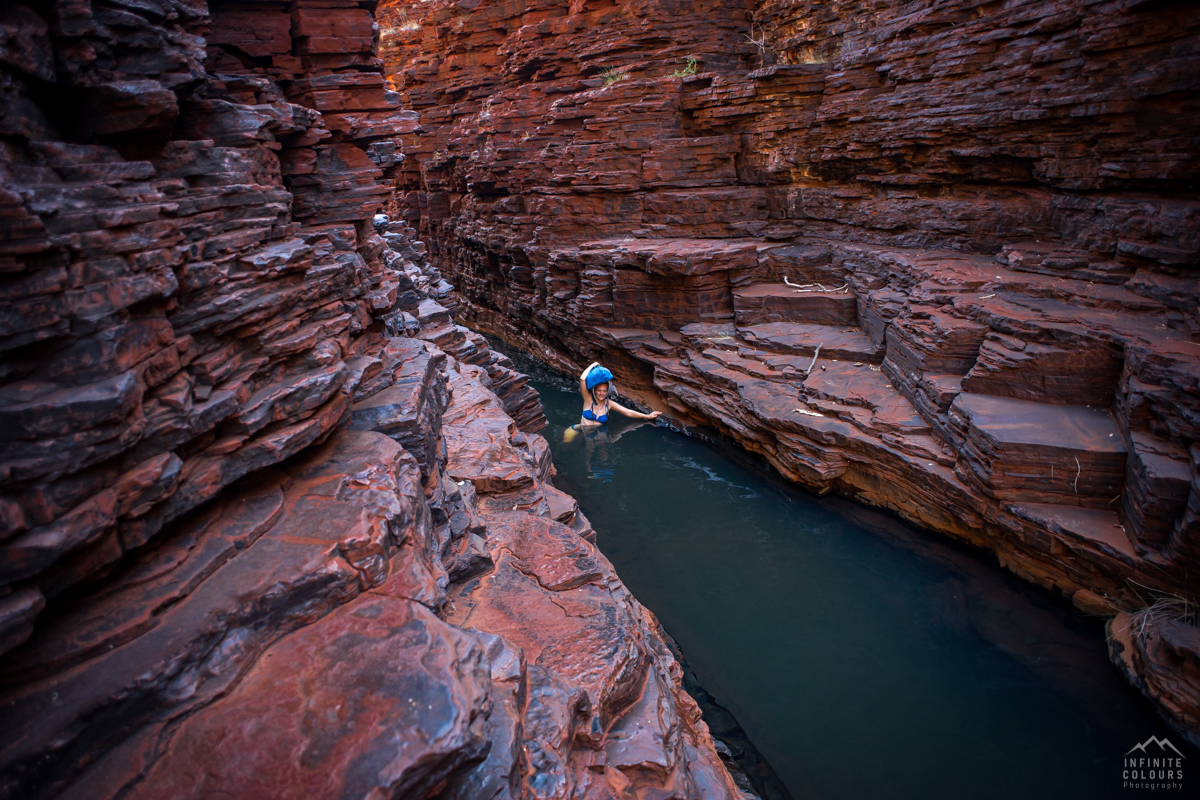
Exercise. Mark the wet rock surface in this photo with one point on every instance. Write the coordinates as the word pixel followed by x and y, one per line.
pixel 248 456
pixel 924 257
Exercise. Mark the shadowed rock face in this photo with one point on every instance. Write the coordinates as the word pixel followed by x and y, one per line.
pixel 940 259
pixel 246 457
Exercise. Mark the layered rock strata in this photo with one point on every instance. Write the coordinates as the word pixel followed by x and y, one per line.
pixel 352 623
pixel 939 258
pixel 271 522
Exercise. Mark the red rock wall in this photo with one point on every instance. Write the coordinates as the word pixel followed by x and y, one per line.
pixel 986 212
pixel 246 514
pixel 188 260
pixel 926 124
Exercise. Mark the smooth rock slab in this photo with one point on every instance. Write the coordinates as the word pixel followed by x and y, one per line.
pixel 545 550
pixel 480 440
pixel 1018 450
pixel 378 699
pixel 778 302
pixel 849 344
pixel 1096 529
pixel 548 596
pixel 1025 424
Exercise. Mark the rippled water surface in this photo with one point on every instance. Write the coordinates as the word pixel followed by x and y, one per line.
pixel 864 658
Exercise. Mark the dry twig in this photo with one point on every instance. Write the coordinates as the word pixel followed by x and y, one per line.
pixel 813 363
pixel 760 42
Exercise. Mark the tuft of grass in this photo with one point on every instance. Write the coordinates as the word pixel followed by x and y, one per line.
pixel 612 75
pixel 405 23
pixel 691 67
pixel 810 55
pixel 1159 608
pixel 1164 608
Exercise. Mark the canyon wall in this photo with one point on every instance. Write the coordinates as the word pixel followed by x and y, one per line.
pixel 271 523
pixel 942 258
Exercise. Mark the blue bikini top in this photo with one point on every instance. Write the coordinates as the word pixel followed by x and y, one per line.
pixel 590 415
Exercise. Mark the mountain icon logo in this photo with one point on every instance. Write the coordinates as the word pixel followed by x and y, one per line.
pixel 1163 744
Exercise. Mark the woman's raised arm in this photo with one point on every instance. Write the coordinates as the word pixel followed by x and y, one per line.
pixel 583 380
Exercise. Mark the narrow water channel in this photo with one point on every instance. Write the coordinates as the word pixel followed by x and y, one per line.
pixel 863 658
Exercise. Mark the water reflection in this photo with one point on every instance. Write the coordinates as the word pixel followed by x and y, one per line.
pixel 600 457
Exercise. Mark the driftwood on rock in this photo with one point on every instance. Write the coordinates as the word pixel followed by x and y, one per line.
pixel 813 363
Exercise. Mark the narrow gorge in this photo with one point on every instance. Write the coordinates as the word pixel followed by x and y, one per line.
pixel 276 520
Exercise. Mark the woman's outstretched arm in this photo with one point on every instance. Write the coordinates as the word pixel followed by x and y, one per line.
pixel 629 412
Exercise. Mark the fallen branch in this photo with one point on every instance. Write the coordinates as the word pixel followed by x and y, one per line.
pixel 814 361
pixel 819 290
pixel 797 285
pixel 1078 470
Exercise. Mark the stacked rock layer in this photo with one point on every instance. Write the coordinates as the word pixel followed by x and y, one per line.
pixel 271 523
pixel 938 257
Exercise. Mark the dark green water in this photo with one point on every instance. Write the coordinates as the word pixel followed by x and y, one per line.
pixel 864 658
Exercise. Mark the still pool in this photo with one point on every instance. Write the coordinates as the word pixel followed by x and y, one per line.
pixel 864 658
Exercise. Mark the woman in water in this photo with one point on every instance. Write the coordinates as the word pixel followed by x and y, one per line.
pixel 595 384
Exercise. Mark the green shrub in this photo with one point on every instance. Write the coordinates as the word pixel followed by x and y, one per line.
pixel 691 67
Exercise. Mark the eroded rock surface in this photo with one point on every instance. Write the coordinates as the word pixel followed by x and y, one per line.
pixel 1161 656
pixel 925 255
pixel 351 625
pixel 247 456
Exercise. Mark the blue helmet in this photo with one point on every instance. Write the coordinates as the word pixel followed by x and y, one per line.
pixel 597 376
